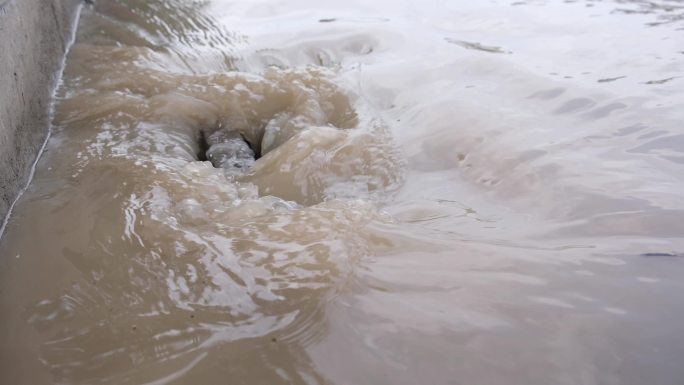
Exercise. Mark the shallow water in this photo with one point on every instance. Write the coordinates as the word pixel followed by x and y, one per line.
pixel 460 193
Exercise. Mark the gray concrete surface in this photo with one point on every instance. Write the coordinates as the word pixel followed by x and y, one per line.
pixel 34 35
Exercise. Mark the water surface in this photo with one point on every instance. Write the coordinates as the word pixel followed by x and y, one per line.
pixel 446 193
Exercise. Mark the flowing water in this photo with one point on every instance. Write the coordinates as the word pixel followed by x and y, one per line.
pixel 460 192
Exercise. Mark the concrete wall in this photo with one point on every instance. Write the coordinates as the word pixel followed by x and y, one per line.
pixel 34 35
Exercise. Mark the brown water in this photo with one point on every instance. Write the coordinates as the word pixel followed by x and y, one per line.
pixel 455 192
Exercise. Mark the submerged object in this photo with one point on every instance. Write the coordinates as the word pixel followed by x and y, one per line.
pixel 229 150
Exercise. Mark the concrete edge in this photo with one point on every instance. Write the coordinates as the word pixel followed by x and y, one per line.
pixel 35 38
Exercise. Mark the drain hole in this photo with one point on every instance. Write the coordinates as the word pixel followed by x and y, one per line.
pixel 226 149
pixel 203 147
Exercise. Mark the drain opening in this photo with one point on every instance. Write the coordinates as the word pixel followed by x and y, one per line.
pixel 203 147
pixel 226 149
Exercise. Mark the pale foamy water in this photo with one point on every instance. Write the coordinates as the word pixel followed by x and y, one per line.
pixel 441 193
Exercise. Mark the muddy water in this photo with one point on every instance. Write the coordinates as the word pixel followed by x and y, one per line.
pixel 444 193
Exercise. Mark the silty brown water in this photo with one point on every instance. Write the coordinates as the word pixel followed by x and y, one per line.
pixel 440 193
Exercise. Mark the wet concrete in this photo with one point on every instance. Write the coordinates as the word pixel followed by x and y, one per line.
pixel 34 36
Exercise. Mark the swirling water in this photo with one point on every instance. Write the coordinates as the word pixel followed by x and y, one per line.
pixel 444 192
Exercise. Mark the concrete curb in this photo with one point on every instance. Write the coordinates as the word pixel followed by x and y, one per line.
pixel 34 38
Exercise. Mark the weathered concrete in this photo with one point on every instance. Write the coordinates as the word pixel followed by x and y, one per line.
pixel 34 35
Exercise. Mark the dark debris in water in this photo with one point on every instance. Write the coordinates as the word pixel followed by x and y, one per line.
pixel 663 12
pixel 477 46
pixel 667 255
pixel 606 80
pixel 661 81
pixel 666 12
pixel 361 19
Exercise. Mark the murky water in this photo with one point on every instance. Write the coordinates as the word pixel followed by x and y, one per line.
pixel 443 193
